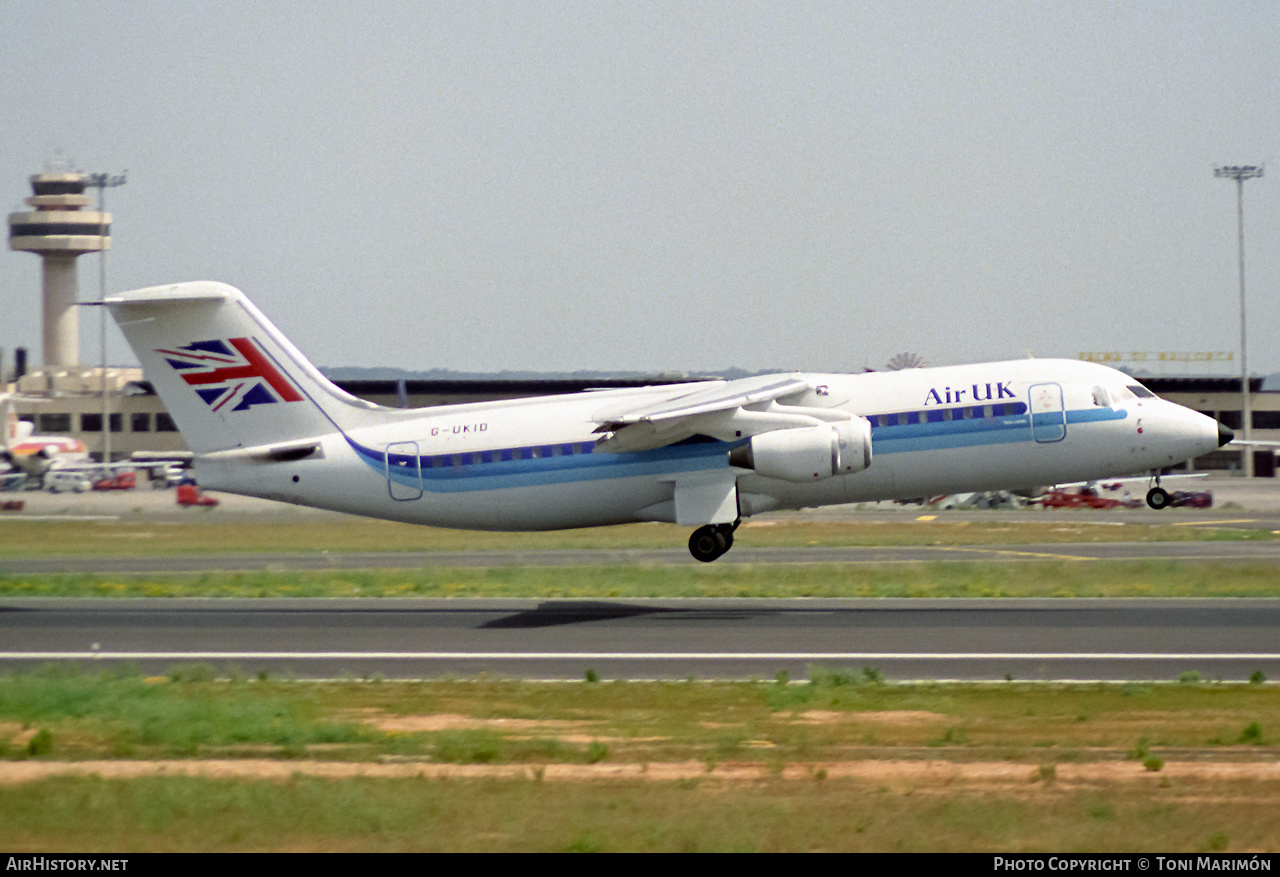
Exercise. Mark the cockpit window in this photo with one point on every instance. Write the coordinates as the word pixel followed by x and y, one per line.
pixel 1141 392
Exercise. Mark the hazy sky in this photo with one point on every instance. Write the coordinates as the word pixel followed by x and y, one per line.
pixel 668 185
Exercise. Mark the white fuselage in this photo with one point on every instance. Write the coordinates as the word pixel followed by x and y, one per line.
pixel 535 464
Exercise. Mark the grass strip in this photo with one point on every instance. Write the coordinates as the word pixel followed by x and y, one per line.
pixel 128 537
pixel 1084 768
pixel 836 712
pixel 308 814
pixel 1146 578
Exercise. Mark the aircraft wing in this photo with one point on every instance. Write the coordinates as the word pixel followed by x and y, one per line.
pixel 726 411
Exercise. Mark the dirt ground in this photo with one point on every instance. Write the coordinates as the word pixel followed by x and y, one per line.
pixel 917 775
pixel 920 777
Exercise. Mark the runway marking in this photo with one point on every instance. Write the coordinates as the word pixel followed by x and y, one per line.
pixel 650 656
pixel 1036 554
pixel 62 518
pixel 1215 523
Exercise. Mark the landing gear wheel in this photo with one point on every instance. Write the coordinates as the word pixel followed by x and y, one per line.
pixel 1158 498
pixel 709 542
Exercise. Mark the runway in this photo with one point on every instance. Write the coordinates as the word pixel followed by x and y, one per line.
pixel 655 639
pixel 667 639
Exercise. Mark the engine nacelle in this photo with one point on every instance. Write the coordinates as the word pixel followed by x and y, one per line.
pixel 809 453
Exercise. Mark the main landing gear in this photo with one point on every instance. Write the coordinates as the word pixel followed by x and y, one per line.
pixel 709 542
pixel 1158 497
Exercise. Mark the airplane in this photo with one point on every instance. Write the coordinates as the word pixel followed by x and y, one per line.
pixel 33 454
pixel 262 421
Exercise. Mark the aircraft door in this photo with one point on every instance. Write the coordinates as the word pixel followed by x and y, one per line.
pixel 1048 414
pixel 404 471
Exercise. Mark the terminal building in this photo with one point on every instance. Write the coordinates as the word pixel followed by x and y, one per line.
pixel 140 425
pixel 1220 398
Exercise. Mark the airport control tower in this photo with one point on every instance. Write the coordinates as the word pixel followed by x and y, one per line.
pixel 59 230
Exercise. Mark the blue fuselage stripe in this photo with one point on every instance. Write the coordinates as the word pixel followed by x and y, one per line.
pixel 500 468
pixel 496 469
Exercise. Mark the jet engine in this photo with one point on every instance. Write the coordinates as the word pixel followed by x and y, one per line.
pixel 808 453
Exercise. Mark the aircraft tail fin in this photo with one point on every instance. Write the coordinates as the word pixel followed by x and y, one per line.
pixel 228 377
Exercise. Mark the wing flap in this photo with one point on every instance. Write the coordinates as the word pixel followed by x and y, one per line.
pixel 734 394
pixel 728 412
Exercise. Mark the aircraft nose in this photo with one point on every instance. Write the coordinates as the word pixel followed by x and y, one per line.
pixel 1224 435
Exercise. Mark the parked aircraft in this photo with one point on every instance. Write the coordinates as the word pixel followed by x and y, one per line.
pixel 34 454
pixel 262 421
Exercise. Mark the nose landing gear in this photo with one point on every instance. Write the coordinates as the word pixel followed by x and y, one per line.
pixel 710 541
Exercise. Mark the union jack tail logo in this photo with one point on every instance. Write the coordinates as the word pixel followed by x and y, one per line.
pixel 231 375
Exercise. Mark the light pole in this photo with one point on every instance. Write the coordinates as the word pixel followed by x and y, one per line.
pixel 102 182
pixel 1240 174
